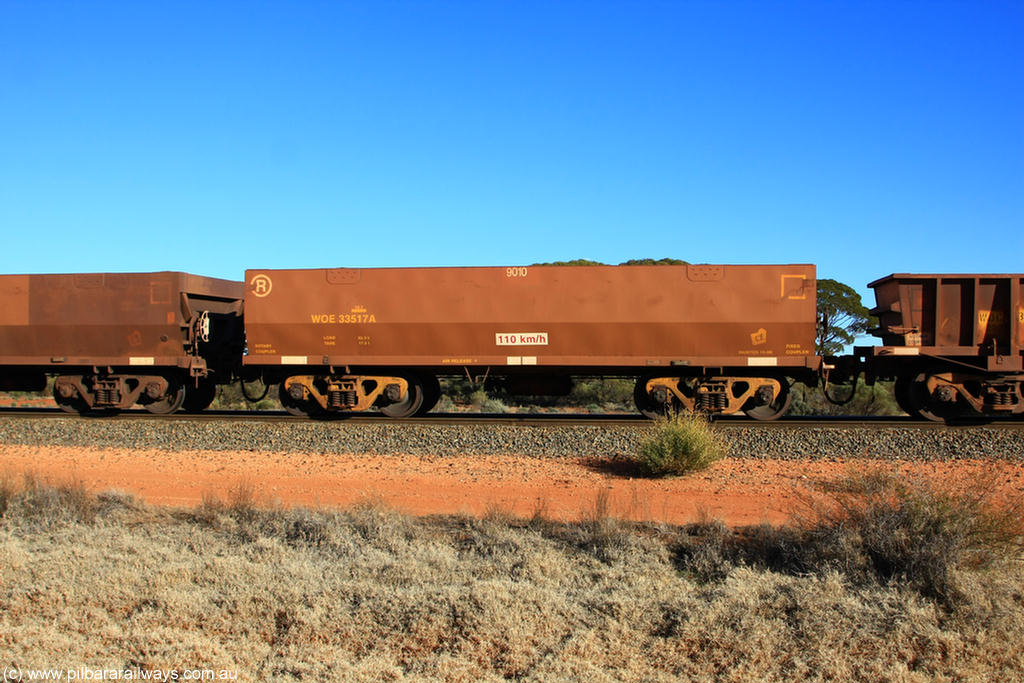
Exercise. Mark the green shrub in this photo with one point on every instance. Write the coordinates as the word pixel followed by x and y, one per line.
pixel 679 445
pixel 445 404
pixel 477 398
pixel 614 393
pixel 230 397
pixel 493 405
pixel 480 401
pixel 877 399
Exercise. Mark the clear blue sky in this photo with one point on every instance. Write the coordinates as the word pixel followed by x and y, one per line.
pixel 213 136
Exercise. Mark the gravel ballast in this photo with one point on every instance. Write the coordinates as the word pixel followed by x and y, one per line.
pixel 559 441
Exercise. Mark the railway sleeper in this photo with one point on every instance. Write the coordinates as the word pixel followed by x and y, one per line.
pixel 303 394
pixel 763 398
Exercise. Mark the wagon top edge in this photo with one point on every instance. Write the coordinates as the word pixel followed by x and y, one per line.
pixel 946 276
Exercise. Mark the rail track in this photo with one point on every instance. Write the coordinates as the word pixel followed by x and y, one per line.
pixel 521 419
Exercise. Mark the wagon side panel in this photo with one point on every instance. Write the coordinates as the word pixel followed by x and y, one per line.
pixel 547 315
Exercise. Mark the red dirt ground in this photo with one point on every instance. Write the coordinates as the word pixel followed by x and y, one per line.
pixel 739 492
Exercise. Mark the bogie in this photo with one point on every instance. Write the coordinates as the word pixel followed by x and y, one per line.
pixel 761 398
pixel 110 393
pixel 943 396
pixel 393 395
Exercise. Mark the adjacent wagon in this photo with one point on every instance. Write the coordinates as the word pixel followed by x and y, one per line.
pixel 163 340
pixel 954 343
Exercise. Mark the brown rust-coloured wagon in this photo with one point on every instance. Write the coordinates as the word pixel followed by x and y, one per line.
pixel 721 338
pixel 115 339
pixel 954 343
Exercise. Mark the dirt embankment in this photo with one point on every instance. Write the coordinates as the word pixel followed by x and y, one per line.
pixel 738 491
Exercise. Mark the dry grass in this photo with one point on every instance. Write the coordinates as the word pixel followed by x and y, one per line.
pixel 8 489
pixel 922 533
pixel 368 594
pixel 42 503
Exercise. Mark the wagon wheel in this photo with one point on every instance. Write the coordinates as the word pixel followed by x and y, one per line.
pixel 199 398
pixel 431 394
pixel 297 407
pixel 647 407
pixel 929 408
pixel 410 404
pixel 773 410
pixel 171 401
pixel 902 392
pixel 73 404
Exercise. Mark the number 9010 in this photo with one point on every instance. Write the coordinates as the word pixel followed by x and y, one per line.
pixel 515 271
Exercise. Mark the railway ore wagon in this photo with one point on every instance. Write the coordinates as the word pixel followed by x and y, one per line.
pixel 954 343
pixel 719 338
pixel 162 340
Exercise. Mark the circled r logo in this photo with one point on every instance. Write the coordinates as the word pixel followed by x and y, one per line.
pixel 261 285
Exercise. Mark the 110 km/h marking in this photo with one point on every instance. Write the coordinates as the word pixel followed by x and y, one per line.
pixel 521 339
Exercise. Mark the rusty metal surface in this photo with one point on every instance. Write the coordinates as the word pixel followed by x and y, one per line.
pixel 953 315
pixel 104 319
pixel 571 316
